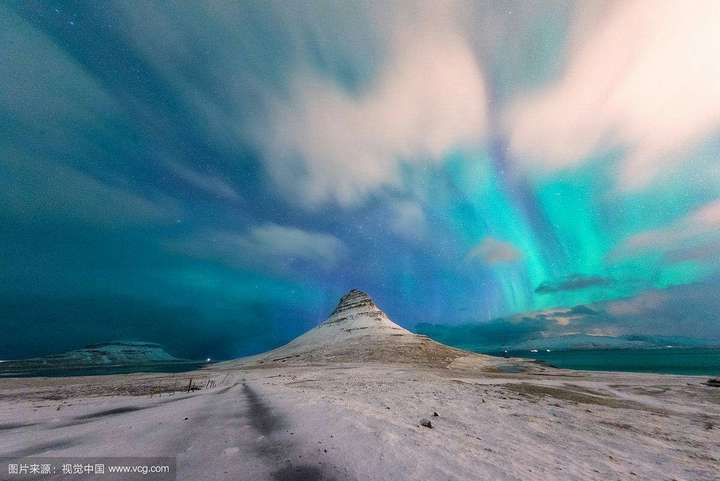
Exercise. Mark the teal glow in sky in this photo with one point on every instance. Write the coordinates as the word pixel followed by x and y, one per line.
pixel 214 175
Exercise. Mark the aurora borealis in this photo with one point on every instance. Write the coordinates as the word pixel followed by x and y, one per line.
pixel 214 175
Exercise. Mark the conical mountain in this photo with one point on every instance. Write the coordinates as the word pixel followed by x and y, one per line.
pixel 359 331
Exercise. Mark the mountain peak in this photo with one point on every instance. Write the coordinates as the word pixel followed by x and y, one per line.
pixel 359 331
pixel 353 303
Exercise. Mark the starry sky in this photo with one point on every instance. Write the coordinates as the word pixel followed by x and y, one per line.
pixel 214 175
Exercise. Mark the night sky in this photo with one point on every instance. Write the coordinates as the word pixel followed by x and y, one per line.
pixel 213 176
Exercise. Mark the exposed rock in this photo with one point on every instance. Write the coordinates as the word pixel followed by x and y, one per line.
pixel 714 382
pixel 426 423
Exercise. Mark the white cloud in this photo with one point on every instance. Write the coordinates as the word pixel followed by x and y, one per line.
pixel 280 242
pixel 494 251
pixel 209 183
pixel 646 78
pixel 707 216
pixel 428 98
pixel 638 305
pixel 418 90
pixel 268 245
pixel 693 236
pixel 408 219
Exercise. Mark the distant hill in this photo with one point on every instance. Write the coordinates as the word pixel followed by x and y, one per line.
pixel 121 353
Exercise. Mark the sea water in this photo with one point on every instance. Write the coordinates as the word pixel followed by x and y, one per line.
pixel 158 367
pixel 687 361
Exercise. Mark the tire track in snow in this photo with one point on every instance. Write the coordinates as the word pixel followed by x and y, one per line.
pixel 269 424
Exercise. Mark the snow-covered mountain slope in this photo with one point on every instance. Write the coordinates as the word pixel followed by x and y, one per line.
pixel 358 330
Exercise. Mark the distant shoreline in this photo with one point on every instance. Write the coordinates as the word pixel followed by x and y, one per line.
pixel 658 360
pixel 654 360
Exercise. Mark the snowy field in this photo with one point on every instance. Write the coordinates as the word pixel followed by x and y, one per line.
pixel 362 422
pixel 347 401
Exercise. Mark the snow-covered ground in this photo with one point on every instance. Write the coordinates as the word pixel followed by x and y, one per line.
pixel 361 422
pixel 350 411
